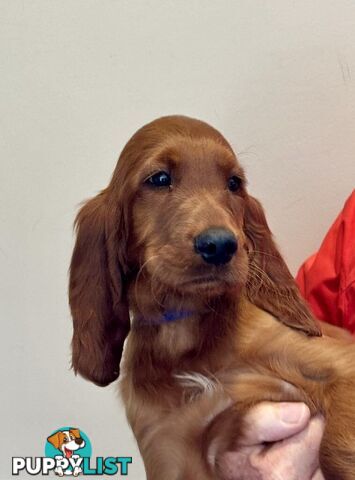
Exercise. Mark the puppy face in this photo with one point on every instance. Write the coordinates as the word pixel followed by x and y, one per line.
pixel 67 441
pixel 188 217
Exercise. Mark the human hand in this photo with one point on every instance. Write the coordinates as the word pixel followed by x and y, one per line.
pixel 293 453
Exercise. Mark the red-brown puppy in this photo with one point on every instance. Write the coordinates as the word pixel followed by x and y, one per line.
pixel 177 252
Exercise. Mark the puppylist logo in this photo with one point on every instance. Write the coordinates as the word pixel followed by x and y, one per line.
pixel 68 452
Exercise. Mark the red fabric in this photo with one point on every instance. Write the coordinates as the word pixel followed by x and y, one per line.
pixel 327 278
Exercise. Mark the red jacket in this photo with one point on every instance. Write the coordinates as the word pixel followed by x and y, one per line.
pixel 327 279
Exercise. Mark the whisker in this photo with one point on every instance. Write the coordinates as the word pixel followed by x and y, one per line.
pixel 265 253
pixel 265 281
pixel 140 272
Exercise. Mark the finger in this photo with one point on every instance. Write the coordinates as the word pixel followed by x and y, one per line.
pixel 293 458
pixel 270 422
pixel 236 465
pixel 318 475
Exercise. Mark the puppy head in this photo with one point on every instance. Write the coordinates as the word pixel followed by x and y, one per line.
pixel 177 213
pixel 67 441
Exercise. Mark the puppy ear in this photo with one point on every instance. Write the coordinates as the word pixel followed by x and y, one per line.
pixel 54 439
pixel 75 432
pixel 270 284
pixel 96 297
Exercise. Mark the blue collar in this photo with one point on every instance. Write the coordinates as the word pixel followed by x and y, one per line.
pixel 173 315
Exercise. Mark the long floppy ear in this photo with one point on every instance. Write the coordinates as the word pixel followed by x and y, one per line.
pixel 270 284
pixel 96 297
pixel 55 439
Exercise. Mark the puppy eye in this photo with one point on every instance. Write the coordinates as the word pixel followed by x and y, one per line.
pixel 234 183
pixel 65 440
pixel 159 179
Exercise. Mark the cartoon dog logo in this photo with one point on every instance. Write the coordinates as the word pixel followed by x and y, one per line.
pixel 67 442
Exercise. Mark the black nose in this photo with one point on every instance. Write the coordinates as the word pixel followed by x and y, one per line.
pixel 216 245
pixel 79 441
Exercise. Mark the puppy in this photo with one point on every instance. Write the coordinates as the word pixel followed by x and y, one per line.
pixel 176 253
pixel 67 441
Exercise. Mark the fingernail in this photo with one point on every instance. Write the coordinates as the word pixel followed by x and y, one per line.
pixel 292 413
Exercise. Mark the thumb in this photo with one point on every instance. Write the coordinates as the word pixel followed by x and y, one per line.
pixel 271 421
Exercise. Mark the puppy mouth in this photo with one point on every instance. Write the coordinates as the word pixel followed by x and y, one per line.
pixel 68 453
pixel 201 281
pixel 188 278
pixel 206 283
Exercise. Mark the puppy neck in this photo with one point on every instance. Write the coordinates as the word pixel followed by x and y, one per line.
pixel 175 330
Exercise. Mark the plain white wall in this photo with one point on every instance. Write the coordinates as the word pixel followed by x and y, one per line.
pixel 77 79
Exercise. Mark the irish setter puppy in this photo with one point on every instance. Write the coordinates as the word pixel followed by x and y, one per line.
pixel 177 254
